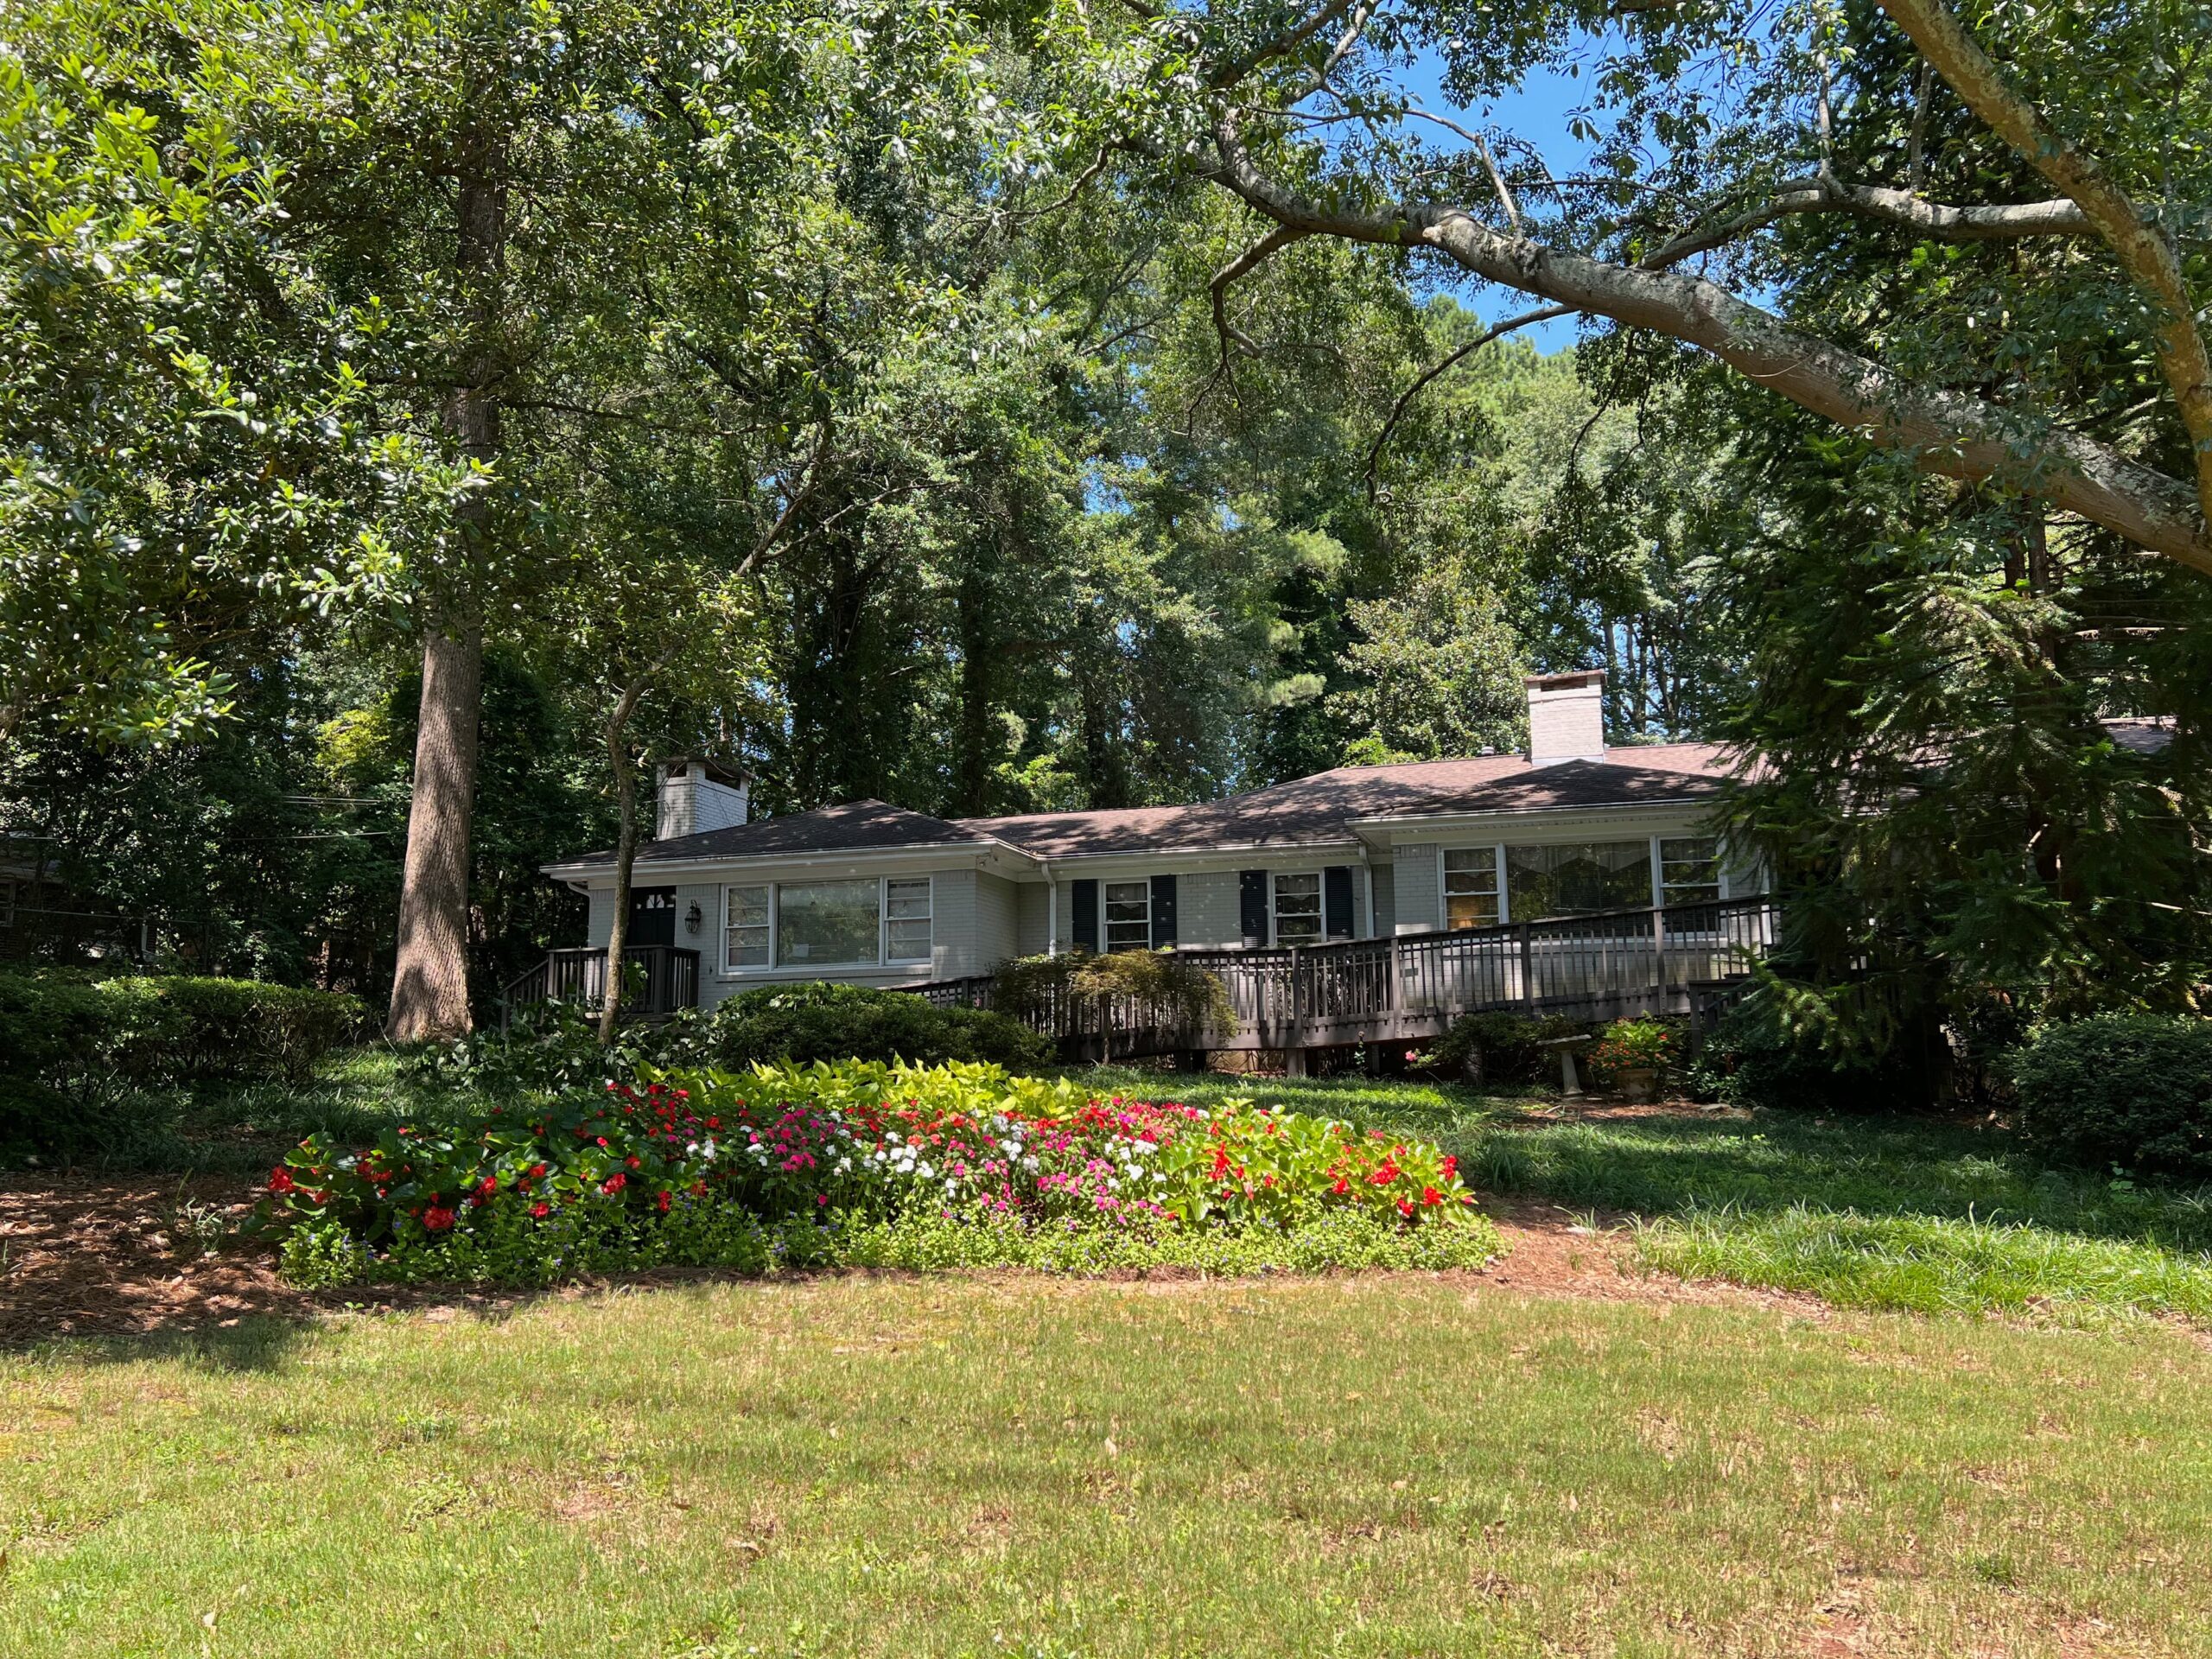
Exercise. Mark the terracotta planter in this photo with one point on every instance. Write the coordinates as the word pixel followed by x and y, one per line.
pixel 1639 1084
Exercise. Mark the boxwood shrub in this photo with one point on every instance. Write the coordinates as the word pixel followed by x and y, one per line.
pixel 68 1028
pixel 2130 1090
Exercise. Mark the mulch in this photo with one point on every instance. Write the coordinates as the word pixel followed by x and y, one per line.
pixel 90 1256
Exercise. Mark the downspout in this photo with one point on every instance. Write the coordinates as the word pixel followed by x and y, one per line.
pixel 1051 909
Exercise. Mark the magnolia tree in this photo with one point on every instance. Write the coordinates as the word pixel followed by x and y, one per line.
pixel 1727 143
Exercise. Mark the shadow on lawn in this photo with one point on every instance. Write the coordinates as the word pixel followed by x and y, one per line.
pixel 1667 1163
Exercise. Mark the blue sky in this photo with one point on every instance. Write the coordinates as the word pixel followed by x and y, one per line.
pixel 1537 109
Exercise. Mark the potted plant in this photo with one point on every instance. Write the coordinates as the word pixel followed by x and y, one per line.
pixel 1631 1054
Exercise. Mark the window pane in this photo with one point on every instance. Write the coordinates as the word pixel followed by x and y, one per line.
pixel 1578 880
pixel 1689 868
pixel 1298 910
pixel 826 924
pixel 906 929
pixel 746 928
pixel 1470 887
pixel 1128 915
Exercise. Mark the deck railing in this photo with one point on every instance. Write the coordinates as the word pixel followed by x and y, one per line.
pixel 1379 990
pixel 658 980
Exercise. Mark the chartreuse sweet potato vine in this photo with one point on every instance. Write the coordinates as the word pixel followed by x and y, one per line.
pixel 832 1163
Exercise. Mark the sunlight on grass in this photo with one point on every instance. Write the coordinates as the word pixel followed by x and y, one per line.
pixel 1362 1466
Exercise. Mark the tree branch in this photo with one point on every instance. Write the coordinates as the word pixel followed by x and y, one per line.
pixel 1947 432
pixel 2059 217
pixel 1280 44
pixel 2143 251
pixel 1543 313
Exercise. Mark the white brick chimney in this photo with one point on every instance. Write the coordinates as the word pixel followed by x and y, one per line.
pixel 697 796
pixel 1566 717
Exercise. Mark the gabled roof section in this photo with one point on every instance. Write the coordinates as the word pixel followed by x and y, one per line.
pixel 853 827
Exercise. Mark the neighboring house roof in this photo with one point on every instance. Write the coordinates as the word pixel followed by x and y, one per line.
pixel 2144 736
pixel 1323 808
pixel 854 827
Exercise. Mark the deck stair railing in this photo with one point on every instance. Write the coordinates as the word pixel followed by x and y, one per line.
pixel 658 980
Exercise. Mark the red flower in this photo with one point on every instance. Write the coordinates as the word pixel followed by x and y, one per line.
pixel 1430 1195
pixel 488 1187
pixel 663 1201
pixel 280 1179
pixel 536 1171
pixel 632 1161
pixel 540 1210
pixel 1406 1208
pixel 1342 1187
pixel 437 1218
pixel 614 1182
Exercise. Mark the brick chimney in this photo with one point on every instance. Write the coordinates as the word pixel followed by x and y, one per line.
pixel 1566 717
pixel 697 796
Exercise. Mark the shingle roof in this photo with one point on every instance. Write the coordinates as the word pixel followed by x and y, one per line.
pixel 1322 808
pixel 1306 811
pixel 849 828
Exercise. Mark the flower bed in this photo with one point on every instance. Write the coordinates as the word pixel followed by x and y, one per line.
pixel 782 1163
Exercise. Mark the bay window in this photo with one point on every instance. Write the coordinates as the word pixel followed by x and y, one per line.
pixel 1579 879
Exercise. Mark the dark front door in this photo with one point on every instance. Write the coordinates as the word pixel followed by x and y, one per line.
pixel 652 916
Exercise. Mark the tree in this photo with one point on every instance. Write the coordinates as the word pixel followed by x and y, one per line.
pixel 1244 98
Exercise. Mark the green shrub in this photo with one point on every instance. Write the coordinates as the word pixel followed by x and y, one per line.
pixel 2130 1090
pixel 1757 1057
pixel 805 1023
pixel 1501 1047
pixel 1634 1044
pixel 73 1030
pixel 1173 991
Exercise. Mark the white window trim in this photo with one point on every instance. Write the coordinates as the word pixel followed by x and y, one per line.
pixel 1444 898
pixel 928 958
pixel 1320 894
pixel 772 969
pixel 1106 912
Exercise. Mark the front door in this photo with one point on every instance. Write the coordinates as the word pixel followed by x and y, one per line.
pixel 652 916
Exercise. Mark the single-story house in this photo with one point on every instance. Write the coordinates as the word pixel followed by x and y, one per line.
pixel 867 892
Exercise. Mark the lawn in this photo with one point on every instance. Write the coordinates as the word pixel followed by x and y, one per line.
pixel 1864 1211
pixel 1384 1466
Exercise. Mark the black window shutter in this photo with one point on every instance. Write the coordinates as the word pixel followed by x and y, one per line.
pixel 1252 905
pixel 1084 895
pixel 1336 900
pixel 1163 911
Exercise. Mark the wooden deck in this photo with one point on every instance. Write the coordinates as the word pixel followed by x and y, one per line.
pixel 1410 988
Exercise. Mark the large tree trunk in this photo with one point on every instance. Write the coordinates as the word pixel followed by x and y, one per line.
pixel 626 859
pixel 430 985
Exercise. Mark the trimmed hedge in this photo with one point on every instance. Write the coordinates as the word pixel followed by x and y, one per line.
pixel 67 1029
pixel 805 1023
pixel 2130 1090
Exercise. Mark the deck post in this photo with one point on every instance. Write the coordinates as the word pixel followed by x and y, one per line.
pixel 1659 955
pixel 1527 972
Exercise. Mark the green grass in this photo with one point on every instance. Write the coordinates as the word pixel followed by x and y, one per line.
pixel 921 1466
pixel 1863 1211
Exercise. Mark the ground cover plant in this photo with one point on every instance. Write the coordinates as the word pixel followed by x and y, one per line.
pixel 856 1162
pixel 1386 1465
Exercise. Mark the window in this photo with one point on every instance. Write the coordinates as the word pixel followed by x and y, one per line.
pixel 1128 916
pixel 1578 880
pixel 1690 870
pixel 745 925
pixel 828 923
pixel 907 921
pixel 1470 887
pixel 1298 909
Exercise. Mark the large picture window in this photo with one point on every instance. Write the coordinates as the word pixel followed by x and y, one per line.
pixel 907 921
pixel 827 924
pixel 1298 909
pixel 1470 887
pixel 1578 880
pixel 1128 916
pixel 1690 870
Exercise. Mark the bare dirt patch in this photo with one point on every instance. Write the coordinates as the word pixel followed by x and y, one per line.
pixel 89 1257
